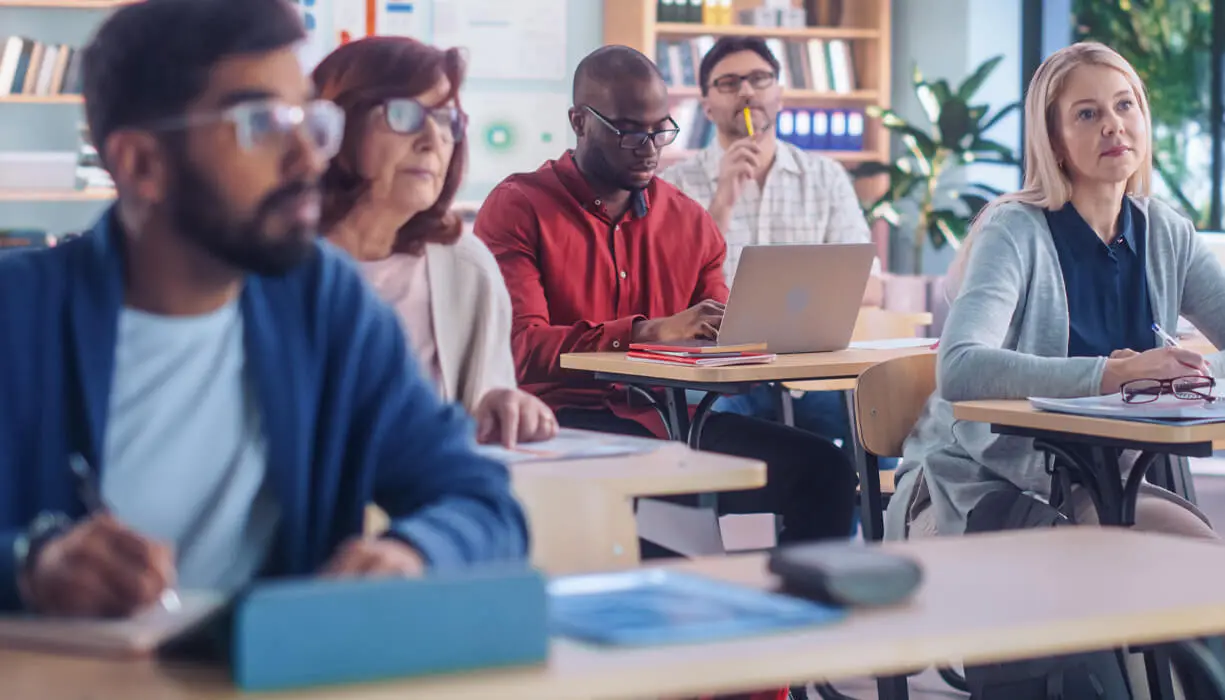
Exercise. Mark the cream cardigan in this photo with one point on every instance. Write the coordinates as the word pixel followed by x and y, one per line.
pixel 472 316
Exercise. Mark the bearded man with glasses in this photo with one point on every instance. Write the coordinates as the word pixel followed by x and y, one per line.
pixel 235 391
pixel 599 253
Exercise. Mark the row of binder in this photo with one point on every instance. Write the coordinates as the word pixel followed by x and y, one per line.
pixel 822 129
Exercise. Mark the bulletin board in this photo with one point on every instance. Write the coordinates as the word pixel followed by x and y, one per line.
pixel 521 57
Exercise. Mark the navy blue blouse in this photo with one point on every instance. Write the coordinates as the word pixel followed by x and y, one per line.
pixel 1107 285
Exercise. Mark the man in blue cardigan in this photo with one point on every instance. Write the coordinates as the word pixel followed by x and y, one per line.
pixel 197 393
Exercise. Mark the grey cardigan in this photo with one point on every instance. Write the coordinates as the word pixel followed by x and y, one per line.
pixel 1006 337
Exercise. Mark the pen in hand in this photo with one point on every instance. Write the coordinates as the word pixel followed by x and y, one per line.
pixel 91 496
pixel 1166 338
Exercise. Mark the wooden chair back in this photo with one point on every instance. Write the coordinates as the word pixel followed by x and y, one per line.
pixel 889 398
pixel 882 324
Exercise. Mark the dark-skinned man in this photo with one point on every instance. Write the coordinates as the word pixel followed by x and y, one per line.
pixel 598 253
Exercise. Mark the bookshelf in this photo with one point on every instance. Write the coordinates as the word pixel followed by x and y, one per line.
pixel 32 195
pixel 41 99
pixel 865 26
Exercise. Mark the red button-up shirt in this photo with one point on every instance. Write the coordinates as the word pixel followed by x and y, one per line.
pixel 578 280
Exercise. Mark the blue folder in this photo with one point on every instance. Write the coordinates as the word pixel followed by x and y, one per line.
pixel 302 633
pixel 650 607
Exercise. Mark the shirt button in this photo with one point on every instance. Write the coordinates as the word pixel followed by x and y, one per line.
pixel 597 202
pixel 616 343
pixel 623 275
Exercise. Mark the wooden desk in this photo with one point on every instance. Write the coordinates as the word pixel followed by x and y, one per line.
pixel 817 365
pixel 581 512
pixel 1088 447
pixel 957 615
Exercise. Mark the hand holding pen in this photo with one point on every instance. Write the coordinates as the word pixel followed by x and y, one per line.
pixel 1168 362
pixel 99 568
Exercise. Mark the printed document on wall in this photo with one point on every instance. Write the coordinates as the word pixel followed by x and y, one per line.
pixel 520 40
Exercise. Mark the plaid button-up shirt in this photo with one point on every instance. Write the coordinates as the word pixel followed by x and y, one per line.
pixel 807 198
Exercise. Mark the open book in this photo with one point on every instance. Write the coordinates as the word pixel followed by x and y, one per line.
pixel 139 635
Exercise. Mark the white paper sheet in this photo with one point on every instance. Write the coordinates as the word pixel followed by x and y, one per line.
pixel 505 39
pixel 1111 406
pixel 893 343
pixel 571 444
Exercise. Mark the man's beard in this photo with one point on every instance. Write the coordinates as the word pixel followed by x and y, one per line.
pixel 199 213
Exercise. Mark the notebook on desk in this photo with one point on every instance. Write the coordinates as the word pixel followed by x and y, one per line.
pixel 1166 409
pixel 139 635
pixel 571 444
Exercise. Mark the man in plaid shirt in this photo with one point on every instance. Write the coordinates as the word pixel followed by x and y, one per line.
pixel 760 190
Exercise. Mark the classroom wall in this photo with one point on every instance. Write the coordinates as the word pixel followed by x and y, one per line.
pixel 948 39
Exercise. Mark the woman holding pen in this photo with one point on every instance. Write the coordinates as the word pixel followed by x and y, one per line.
pixel 1063 290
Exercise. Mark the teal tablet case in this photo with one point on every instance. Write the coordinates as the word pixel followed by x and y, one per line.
pixel 295 634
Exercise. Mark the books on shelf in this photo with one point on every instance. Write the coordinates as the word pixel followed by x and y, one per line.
pixel 29 67
pixel 19 239
pixel 698 347
pixel 816 65
pixel 718 12
pixel 822 129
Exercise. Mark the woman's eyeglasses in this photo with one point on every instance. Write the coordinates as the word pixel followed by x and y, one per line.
pixel 407 116
pixel 1195 387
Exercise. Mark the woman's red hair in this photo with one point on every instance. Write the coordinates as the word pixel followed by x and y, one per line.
pixel 362 75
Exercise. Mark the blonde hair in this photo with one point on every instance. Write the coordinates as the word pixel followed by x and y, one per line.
pixel 1047 185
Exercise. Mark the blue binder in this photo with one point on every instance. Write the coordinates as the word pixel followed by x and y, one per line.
pixel 302 633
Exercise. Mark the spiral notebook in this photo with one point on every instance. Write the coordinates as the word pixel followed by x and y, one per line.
pixel 139 635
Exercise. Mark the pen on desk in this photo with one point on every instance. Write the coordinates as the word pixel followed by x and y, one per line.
pixel 1165 337
pixel 91 495
pixel 748 121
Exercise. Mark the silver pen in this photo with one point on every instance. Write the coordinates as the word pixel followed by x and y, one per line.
pixel 1166 338
pixel 91 494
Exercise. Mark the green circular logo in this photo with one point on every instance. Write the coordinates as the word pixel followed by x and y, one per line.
pixel 500 137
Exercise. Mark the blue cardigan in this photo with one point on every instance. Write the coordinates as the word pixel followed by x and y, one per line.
pixel 349 419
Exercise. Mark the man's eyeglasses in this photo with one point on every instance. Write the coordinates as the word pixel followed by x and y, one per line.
pixel 633 140
pixel 267 124
pixel 759 79
pixel 407 116
pixel 1196 387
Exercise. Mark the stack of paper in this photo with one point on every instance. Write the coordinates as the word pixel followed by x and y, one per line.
pixel 1165 409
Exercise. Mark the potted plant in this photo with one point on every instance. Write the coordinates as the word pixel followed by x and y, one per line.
pixel 939 205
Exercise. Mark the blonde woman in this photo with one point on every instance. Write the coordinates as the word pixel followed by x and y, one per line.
pixel 1057 293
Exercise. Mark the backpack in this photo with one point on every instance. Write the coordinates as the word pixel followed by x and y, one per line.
pixel 1088 676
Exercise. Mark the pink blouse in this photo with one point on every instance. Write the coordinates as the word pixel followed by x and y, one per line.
pixel 403 281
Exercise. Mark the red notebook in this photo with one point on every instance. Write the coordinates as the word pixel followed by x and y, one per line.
pixel 699 347
pixel 745 358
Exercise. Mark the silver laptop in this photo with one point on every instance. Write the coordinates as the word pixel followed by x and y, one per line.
pixel 797 298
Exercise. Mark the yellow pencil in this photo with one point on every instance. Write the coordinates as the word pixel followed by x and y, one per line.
pixel 748 121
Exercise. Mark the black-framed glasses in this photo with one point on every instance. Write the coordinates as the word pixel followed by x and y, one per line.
pixel 267 123
pixel 633 140
pixel 405 115
pixel 1195 387
pixel 759 79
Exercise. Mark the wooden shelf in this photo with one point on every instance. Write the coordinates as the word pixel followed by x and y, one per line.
pixel 92 195
pixel 672 156
pixel 67 4
pixel 684 29
pixel 791 96
pixel 41 99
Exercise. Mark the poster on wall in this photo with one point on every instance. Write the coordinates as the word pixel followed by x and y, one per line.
pixel 520 40
pixel 514 132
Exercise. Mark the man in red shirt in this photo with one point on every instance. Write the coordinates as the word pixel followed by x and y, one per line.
pixel 598 253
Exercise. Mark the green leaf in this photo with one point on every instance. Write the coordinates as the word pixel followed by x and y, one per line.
pixel 989 147
pixel 971 84
pixel 974 203
pixel 871 169
pixel 946 226
pixel 955 123
pixel 929 101
pixel 1005 111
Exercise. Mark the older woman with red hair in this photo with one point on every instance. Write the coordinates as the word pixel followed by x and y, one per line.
pixel 387 201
